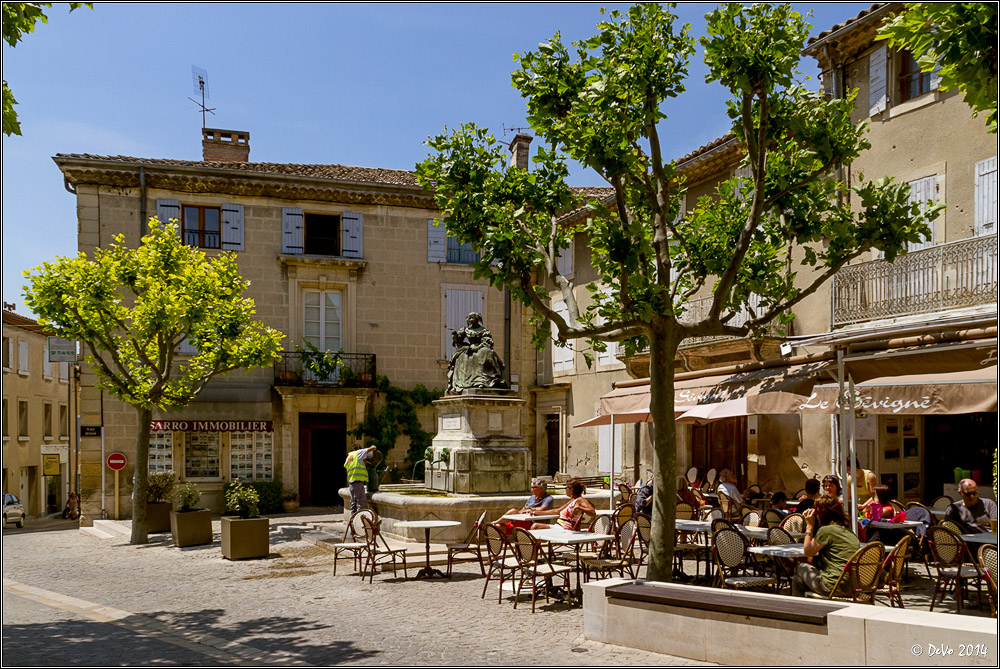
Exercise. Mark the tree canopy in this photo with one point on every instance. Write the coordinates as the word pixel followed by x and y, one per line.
pixel 759 246
pixel 133 309
pixel 959 39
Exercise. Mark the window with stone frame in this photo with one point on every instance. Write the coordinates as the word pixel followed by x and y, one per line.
pixel 47 421
pixel 22 419
pixel 202 226
pixel 912 81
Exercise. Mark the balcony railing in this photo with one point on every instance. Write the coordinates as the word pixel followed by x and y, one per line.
pixel 698 309
pixel 948 276
pixel 326 369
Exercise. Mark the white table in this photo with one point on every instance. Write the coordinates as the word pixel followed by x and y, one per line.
pixel 938 513
pixel 889 525
pixel 692 525
pixel 427 526
pixel 564 537
pixel 980 538
pixel 528 516
pixel 782 551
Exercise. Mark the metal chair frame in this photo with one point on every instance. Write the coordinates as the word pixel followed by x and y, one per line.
pixel 861 572
pixel 375 555
pixel 470 546
pixel 729 549
pixel 357 545
pixel 949 553
pixel 497 547
pixel 533 565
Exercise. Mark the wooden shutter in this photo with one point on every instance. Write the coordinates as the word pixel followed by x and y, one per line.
pixel 564 263
pixel 22 356
pixel 878 93
pixel 458 305
pixel 292 231
pixel 169 210
pixel 232 227
pixel 609 356
pixel 922 191
pixel 986 197
pixel 437 241
pixel 562 356
pixel 351 238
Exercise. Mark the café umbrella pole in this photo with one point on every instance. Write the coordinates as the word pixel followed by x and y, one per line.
pixel 611 486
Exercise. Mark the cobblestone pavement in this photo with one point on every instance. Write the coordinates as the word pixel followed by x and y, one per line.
pixel 71 599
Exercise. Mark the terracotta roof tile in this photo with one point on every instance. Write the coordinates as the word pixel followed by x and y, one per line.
pixel 840 26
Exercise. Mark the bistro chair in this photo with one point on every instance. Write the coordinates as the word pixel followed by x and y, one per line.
pixel 470 546
pixel 498 561
pixel 784 567
pixel 730 509
pixel 692 475
pixel 753 518
pixel 354 539
pixel 602 525
pixel 729 549
pixel 720 523
pixel 753 492
pixel 643 529
pixel 685 542
pixel 710 513
pixel 949 552
pixel 685 511
pixel 626 495
pixel 897 506
pixel 772 518
pixel 533 564
pixel 376 554
pixel 941 502
pixel 794 523
pixel 617 554
pixel 710 477
pixel 952 526
pixel 893 569
pixel 859 578
pixel 988 563
pixel 698 496
pixel 622 514
pixel 798 493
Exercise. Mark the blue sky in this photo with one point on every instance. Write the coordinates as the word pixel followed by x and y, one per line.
pixel 355 84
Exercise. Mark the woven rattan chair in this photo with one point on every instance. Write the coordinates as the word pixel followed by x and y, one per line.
pixel 354 539
pixel 378 551
pixel 617 555
pixel 798 493
pixel 949 552
pixel 897 506
pixel 643 531
pixel 859 577
pixel 729 549
pixel 793 523
pixel 893 569
pixel 784 567
pixel 498 561
pixel 772 518
pixel 951 526
pixel 941 502
pixel 753 518
pixel 720 523
pixel 685 511
pixel 753 492
pixel 533 565
pixel 470 546
pixel 730 509
pixel 692 475
pixel 626 495
pixel 988 563
pixel 710 477
pixel 602 525
pixel 710 513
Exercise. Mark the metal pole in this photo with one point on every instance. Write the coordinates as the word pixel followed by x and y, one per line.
pixel 611 486
pixel 852 456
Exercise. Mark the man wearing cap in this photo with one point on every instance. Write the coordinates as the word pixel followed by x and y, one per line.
pixel 357 475
pixel 973 512
pixel 539 501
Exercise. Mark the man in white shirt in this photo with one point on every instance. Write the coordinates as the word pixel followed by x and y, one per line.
pixel 726 486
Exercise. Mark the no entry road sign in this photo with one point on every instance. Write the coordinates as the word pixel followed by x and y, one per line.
pixel 117 461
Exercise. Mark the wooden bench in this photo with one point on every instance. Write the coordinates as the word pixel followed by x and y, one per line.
pixel 727 601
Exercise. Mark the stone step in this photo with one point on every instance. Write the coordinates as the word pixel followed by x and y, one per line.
pixel 97 532
pixel 115 528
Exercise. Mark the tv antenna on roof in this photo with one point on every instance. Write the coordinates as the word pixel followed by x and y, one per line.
pixel 514 130
pixel 200 78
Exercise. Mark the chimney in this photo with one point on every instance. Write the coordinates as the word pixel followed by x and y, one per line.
pixel 519 150
pixel 230 146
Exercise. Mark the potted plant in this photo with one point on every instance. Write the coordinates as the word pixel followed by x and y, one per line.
pixel 189 525
pixel 324 366
pixel 159 486
pixel 244 533
pixel 290 502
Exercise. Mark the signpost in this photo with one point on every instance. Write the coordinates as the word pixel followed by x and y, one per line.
pixel 116 462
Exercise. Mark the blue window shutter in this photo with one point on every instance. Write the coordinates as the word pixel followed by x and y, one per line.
pixel 169 210
pixel 291 231
pixel 351 239
pixel 437 246
pixel 232 227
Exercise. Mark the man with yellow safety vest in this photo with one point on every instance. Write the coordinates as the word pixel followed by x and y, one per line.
pixel 357 476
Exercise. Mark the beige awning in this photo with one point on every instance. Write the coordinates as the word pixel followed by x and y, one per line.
pixel 706 413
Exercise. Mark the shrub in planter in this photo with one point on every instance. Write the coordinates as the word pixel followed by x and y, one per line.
pixel 189 526
pixel 269 493
pixel 159 487
pixel 290 502
pixel 244 533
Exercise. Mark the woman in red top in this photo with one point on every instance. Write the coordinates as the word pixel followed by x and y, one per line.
pixel 572 512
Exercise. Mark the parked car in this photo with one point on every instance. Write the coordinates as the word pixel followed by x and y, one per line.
pixel 13 510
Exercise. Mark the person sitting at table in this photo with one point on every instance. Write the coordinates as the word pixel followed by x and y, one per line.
pixel 779 502
pixel 831 487
pixel 684 494
pixel 807 500
pixel 727 487
pixel 539 500
pixel 644 498
pixel 572 512
pixel 972 513
pixel 864 481
pixel 828 548
pixel 881 509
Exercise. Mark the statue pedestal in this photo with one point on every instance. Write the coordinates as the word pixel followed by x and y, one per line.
pixel 485 451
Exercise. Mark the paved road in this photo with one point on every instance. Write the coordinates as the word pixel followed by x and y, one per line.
pixel 70 599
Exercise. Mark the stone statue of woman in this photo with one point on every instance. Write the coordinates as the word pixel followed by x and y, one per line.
pixel 474 364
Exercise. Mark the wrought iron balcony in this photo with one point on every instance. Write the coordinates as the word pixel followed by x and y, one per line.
pixel 326 369
pixel 698 309
pixel 948 276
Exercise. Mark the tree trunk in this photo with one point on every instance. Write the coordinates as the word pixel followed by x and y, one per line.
pixel 662 349
pixel 140 478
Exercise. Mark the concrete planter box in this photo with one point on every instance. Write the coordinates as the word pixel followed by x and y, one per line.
pixel 244 538
pixel 158 516
pixel 191 528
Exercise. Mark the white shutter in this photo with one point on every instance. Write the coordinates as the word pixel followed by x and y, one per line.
pixel 936 76
pixel 351 238
pixel 562 356
pixel 232 227
pixel 22 356
pixel 922 191
pixel 609 443
pixel 437 241
pixel 291 231
pixel 458 305
pixel 743 176
pixel 878 97
pixel 564 263
pixel 169 210
pixel 986 197
pixel 610 356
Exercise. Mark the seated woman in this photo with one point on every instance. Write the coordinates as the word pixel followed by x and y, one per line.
pixel 881 509
pixel 832 487
pixel 684 494
pixel 572 512
pixel 828 548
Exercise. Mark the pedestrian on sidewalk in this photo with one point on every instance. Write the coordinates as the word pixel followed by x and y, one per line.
pixel 72 508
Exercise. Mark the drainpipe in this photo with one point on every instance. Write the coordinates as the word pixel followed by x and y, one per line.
pixel 506 336
pixel 142 201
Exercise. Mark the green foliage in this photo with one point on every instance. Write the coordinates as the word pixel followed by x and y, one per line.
pixel 186 497
pixel 242 499
pixel 398 416
pixel 269 494
pixel 19 18
pixel 600 102
pixel 159 486
pixel 959 38
pixel 323 364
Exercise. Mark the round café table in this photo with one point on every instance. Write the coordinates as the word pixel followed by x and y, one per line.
pixel 427 526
